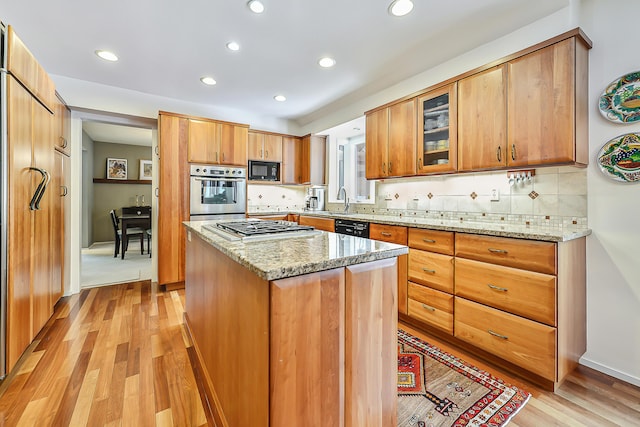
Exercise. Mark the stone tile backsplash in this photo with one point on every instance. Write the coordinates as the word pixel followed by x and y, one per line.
pixel 554 197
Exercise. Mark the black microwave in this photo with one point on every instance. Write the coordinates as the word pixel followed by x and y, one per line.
pixel 263 171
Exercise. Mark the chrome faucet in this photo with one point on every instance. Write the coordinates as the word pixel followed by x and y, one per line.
pixel 346 199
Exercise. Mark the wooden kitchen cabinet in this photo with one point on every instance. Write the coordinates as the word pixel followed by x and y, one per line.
pixel 33 234
pixel 265 146
pixel 437 130
pixel 482 120
pixel 314 159
pixel 63 126
pixel 547 105
pixel 291 172
pixel 395 234
pixel 173 197
pixel 523 301
pixel 431 278
pixel 390 138
pixel 213 142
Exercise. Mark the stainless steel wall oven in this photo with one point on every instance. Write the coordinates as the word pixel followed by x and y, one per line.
pixel 217 192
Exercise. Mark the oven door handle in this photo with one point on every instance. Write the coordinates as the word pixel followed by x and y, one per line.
pixel 219 179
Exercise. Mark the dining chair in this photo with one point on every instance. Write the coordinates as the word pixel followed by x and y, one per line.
pixel 148 234
pixel 131 231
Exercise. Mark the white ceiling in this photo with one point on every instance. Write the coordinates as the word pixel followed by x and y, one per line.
pixel 165 46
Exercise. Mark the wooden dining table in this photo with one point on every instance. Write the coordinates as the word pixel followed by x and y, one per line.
pixel 141 220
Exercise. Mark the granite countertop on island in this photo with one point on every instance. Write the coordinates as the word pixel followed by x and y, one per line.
pixel 277 258
pixel 499 229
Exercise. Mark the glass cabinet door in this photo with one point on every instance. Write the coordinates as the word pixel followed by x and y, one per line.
pixel 437 130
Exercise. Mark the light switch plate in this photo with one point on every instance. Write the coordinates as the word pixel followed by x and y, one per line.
pixel 495 195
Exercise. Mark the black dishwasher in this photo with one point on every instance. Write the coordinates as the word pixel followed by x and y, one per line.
pixel 352 228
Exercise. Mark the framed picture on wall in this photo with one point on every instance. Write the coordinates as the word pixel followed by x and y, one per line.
pixel 116 168
pixel 145 169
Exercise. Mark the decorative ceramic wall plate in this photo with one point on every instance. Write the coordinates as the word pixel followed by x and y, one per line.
pixel 619 158
pixel 620 101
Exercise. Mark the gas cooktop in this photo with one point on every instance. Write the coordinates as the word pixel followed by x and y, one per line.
pixel 260 230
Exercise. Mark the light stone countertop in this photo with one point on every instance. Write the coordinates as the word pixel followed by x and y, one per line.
pixel 486 228
pixel 273 259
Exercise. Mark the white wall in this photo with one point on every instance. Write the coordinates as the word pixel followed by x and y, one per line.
pixel 613 288
pixel 87 184
pixel 613 282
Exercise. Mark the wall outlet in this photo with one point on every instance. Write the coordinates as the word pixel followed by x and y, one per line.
pixel 495 195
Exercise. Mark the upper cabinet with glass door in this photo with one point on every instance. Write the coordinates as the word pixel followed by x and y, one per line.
pixel 437 130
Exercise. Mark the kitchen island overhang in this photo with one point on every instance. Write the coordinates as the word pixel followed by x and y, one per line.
pixel 294 331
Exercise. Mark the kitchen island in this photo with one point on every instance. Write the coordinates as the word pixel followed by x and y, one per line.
pixel 294 331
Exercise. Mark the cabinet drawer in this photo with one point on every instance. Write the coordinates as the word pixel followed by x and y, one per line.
pixel 521 292
pixel 430 306
pixel 325 224
pixel 519 253
pixel 388 233
pixel 431 240
pixel 523 342
pixel 434 270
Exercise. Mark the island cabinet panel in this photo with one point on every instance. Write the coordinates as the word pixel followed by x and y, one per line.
pixel 371 361
pixel 307 350
pixel 227 314
pixel 395 234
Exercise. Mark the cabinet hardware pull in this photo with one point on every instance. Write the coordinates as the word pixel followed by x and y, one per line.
pixel 497 251
pixel 157 192
pixel 426 270
pixel 223 156
pixel 419 163
pixel 383 168
pixel 216 157
pixel 497 288
pixel 428 240
pixel 261 156
pixel 63 140
pixel 386 234
pixel 34 204
pixel 495 334
pixel 157 149
pixel 428 307
pixel 65 191
pixel 499 153
pixel 266 154
pixel 389 167
pixel 513 151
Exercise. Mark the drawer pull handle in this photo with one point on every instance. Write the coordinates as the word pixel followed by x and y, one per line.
pixel 495 334
pixel 497 251
pixel 427 270
pixel 386 234
pixel 428 240
pixel 497 288
pixel 428 307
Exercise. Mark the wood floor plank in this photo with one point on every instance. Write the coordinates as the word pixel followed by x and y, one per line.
pixel 81 411
pixel 164 418
pixel 31 362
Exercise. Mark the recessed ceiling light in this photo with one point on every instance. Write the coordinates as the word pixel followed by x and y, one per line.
pixel 400 7
pixel 209 81
pixel 280 98
pixel 256 6
pixel 326 62
pixel 106 55
pixel 233 46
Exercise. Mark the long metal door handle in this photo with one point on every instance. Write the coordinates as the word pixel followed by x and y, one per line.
pixel 33 204
pixel 44 188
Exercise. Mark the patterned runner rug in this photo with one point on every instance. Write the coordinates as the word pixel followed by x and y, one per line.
pixel 436 389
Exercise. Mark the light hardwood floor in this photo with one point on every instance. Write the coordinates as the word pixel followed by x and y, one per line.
pixel 119 355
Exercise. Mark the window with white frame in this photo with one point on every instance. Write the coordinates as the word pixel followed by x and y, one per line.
pixel 347 169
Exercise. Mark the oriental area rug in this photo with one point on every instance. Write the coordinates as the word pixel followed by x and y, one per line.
pixel 436 389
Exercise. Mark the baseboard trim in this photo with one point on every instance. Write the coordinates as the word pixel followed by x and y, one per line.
pixel 610 371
